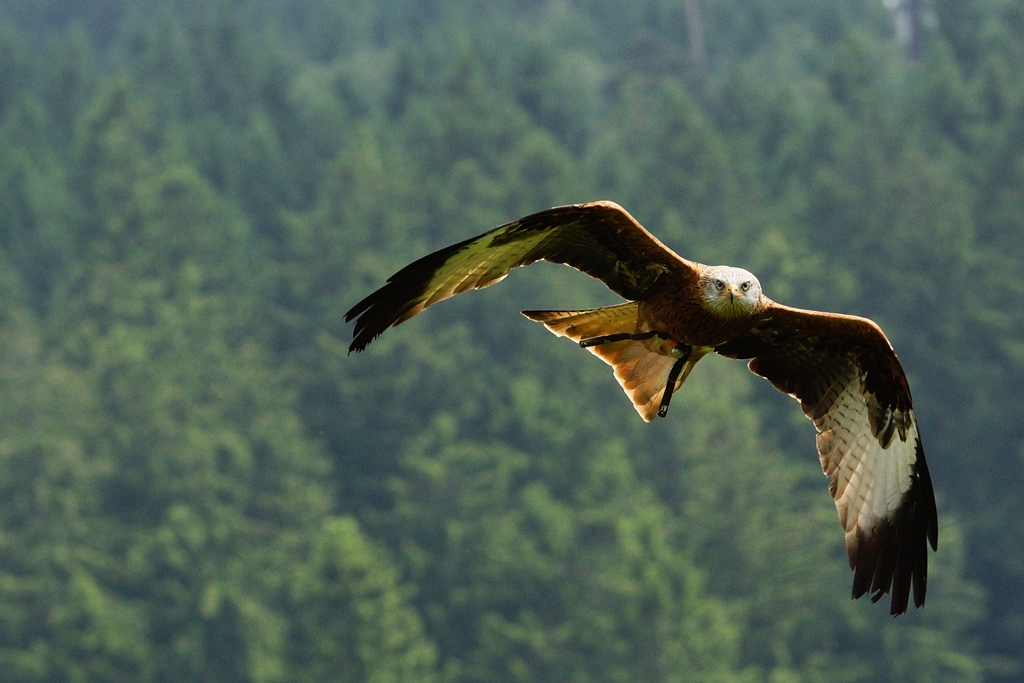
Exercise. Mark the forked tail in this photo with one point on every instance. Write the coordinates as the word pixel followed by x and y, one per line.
pixel 643 365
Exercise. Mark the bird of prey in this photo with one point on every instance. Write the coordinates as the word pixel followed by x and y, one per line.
pixel 841 368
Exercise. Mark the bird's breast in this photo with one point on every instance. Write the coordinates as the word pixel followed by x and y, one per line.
pixel 684 319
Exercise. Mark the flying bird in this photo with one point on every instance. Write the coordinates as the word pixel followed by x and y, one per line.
pixel 841 368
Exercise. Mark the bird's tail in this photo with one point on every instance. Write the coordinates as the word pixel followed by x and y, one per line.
pixel 642 366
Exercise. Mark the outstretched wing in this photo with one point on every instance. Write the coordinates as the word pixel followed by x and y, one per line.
pixel 848 380
pixel 599 238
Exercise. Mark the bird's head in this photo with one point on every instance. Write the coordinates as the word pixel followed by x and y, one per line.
pixel 730 292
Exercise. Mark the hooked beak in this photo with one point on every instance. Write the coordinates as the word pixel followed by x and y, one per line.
pixel 732 291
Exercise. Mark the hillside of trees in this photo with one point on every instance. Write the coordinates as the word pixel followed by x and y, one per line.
pixel 198 483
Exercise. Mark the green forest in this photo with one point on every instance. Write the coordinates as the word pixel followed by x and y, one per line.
pixel 199 483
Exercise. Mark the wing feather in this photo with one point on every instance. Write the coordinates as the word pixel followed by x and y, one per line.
pixel 599 238
pixel 849 382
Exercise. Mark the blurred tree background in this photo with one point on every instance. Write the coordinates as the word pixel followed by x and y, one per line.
pixel 197 483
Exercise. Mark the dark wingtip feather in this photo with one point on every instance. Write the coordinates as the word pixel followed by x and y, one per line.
pixel 928 517
pixel 387 306
pixel 893 559
pixel 369 322
pixel 376 313
pixel 359 340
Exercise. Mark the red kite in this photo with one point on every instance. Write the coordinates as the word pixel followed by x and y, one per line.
pixel 841 368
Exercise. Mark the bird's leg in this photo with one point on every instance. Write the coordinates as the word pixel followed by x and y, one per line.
pixel 673 375
pixel 682 353
pixel 621 336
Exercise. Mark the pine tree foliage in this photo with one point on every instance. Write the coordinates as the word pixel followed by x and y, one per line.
pixel 197 483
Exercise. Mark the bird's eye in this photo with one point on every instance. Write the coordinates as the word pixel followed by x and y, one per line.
pixel 719 284
pixel 745 286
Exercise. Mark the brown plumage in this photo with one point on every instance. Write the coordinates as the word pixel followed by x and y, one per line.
pixel 840 368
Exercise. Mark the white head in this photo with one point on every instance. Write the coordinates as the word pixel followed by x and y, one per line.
pixel 731 292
